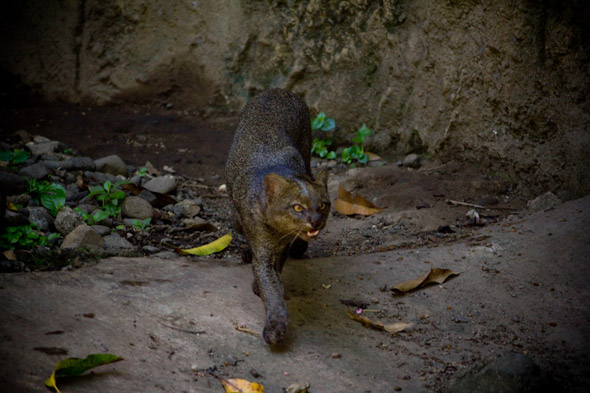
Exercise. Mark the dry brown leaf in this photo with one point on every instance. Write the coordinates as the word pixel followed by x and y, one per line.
pixel 373 156
pixel 151 169
pixel 238 385
pixel 391 328
pixel 435 275
pixel 397 327
pixel 348 204
pixel 10 255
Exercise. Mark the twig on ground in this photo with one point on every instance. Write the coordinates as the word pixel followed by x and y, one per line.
pixel 458 203
pixel 246 330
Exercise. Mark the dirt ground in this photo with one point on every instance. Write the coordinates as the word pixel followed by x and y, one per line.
pixel 522 287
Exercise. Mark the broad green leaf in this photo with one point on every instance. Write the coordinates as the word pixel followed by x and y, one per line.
pixel 210 248
pixel 316 123
pixel 100 215
pixel 20 156
pixel 118 195
pixel 73 367
pixel 329 124
pixel 363 132
pixel 332 155
pixel 107 185
pixel 5 155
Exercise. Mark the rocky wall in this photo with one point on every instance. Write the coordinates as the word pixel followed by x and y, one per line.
pixel 500 84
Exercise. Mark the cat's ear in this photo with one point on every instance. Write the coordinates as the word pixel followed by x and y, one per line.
pixel 273 184
pixel 322 177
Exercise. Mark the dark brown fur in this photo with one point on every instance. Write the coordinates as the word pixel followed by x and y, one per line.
pixel 268 173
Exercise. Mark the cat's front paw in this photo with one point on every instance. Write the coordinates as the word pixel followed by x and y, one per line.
pixel 274 330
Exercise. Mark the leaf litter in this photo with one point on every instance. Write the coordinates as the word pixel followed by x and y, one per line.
pixel 349 204
pixel 73 367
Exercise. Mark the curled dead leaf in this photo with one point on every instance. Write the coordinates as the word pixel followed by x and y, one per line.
pixel 349 204
pixel 390 328
pixel 434 276
pixel 238 385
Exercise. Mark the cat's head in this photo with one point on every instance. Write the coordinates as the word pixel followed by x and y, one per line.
pixel 297 205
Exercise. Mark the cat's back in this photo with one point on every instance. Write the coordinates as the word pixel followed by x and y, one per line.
pixel 272 126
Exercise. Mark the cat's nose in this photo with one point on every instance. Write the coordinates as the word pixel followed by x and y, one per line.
pixel 314 220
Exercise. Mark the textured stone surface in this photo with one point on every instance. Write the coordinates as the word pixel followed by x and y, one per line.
pixel 112 164
pixel 136 207
pixel 82 236
pixel 67 220
pixel 115 244
pixel 41 218
pixel 407 69
pixel 161 184
pixel 187 208
pixel 36 171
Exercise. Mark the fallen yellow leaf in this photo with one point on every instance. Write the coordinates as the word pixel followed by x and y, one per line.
pixel 348 204
pixel 435 275
pixel 210 248
pixel 11 206
pixel 238 385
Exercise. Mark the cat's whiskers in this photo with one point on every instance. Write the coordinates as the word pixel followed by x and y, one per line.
pixel 296 232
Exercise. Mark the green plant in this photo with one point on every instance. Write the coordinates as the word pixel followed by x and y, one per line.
pixel 141 225
pixel 69 150
pixel 93 218
pixel 109 196
pixel 319 146
pixel 51 195
pixel 14 157
pixel 356 153
pixel 142 171
pixel 25 236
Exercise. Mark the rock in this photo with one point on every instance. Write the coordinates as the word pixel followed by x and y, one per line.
pixel 81 164
pixel 161 184
pixel 150 249
pixel 82 236
pixel 14 219
pixel 40 139
pixel 67 220
pixel 165 255
pixel 197 224
pixel 113 165
pixel 509 373
pixel 23 135
pixel 136 207
pixel 40 217
pixel 544 202
pixel 101 229
pixel 38 149
pixel 115 244
pixel 412 161
pixel 87 207
pixel 71 190
pixel 35 171
pixel 99 177
pixel 149 197
pixel 187 208
pixel 107 222
pixel 7 266
pixel 77 196
pixel 21 199
pixel 12 184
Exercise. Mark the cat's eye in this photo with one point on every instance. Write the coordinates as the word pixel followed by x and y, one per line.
pixel 298 208
pixel 323 206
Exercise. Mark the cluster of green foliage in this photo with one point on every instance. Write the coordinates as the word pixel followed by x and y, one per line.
pixel 110 196
pixel 351 155
pixel 142 225
pixel 25 236
pixel 93 218
pixel 51 195
pixel 14 157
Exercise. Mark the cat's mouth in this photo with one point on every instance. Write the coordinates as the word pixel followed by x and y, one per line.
pixel 310 235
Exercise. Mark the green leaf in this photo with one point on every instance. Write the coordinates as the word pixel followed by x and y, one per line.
pixel 96 190
pixel 20 156
pixel 73 367
pixel 316 123
pixel 5 155
pixel 364 131
pixel 331 155
pixel 329 124
pixel 117 195
pixel 100 215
